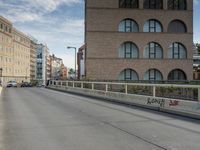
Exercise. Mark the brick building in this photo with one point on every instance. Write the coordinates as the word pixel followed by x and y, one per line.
pixel 139 39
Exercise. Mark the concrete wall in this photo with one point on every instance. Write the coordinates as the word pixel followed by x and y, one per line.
pixel 181 107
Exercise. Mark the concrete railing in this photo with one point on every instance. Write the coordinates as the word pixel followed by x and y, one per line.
pixel 155 96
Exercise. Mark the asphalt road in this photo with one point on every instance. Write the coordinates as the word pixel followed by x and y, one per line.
pixel 42 119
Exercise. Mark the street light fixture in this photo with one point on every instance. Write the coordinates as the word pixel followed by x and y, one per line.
pixel 69 47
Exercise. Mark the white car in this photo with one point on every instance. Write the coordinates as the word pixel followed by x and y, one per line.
pixel 12 84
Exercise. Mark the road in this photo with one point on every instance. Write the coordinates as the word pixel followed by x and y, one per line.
pixel 42 119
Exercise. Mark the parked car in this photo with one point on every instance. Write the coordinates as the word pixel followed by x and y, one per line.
pixel 11 84
pixel 41 85
pixel 26 84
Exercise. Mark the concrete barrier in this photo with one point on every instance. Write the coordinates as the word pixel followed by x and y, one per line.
pixel 174 106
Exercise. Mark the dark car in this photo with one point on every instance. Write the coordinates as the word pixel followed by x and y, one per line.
pixel 26 84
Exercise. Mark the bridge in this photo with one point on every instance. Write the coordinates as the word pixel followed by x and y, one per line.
pixel 76 115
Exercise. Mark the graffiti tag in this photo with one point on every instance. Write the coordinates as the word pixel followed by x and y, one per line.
pixel 160 102
pixel 173 103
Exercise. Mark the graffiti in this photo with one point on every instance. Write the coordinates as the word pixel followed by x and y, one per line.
pixel 173 103
pixel 196 107
pixel 151 101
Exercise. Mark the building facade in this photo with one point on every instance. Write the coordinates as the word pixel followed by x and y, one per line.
pixel 43 64
pixel 48 64
pixel 63 72
pixel 21 45
pixel 33 56
pixel 139 39
pixel 14 53
pixel 6 51
pixel 56 64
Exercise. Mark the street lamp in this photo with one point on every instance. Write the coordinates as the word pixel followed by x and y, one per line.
pixel 69 47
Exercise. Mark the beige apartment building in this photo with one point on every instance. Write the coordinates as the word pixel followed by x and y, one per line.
pixel 14 53
pixel 21 45
pixel 6 50
pixel 139 39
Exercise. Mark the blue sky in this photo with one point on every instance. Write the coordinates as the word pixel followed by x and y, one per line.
pixel 59 23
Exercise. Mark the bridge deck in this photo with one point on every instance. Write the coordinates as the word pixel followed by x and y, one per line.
pixel 42 119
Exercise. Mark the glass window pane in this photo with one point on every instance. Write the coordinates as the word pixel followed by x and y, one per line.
pixel 128 4
pixel 153 4
pixel 122 26
pixel 146 27
pixel 128 50
pixel 153 74
pixel 182 52
pixel 152 26
pixel 158 27
pixel 128 74
pixel 153 50
pixel 128 25
pixel 177 27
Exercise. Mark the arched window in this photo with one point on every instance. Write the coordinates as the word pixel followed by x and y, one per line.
pixel 153 4
pixel 153 50
pixel 128 50
pixel 128 4
pixel 152 25
pixel 177 75
pixel 177 4
pixel 177 26
pixel 153 75
pixel 128 25
pixel 128 74
pixel 177 51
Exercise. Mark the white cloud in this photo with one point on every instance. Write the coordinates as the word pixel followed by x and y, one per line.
pixel 31 10
pixel 49 5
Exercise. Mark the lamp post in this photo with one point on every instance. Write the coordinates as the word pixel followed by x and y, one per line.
pixel 69 47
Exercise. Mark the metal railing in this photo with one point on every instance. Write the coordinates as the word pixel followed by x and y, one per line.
pixel 175 91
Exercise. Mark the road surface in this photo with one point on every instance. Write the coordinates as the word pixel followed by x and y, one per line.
pixel 42 119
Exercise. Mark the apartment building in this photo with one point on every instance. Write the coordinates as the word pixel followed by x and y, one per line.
pixel 63 72
pixel 43 64
pixel 56 64
pixel 33 52
pixel 6 50
pixel 139 39
pixel 48 64
pixel 14 53
pixel 21 48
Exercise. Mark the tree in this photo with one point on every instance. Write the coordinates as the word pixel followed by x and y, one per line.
pixel 71 71
pixel 198 47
